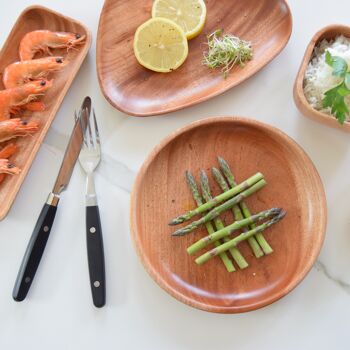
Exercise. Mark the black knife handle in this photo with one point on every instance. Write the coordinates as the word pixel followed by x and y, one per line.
pixel 96 258
pixel 34 252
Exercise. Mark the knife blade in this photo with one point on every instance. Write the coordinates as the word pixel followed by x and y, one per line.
pixel 42 229
pixel 73 149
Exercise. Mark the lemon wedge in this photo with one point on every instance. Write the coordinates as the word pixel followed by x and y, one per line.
pixel 160 45
pixel 188 14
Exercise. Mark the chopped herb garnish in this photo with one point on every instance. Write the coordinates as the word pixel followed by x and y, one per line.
pixel 335 97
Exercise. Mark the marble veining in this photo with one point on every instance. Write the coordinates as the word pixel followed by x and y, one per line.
pixel 115 172
pixel 321 267
pixel 59 314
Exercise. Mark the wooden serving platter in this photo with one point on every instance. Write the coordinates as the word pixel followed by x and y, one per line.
pixel 160 193
pixel 329 32
pixel 33 18
pixel 137 91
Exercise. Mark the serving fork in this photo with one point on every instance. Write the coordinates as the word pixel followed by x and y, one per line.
pixel 89 159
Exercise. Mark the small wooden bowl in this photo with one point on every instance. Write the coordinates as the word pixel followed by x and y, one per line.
pixel 33 18
pixel 140 92
pixel 161 193
pixel 329 32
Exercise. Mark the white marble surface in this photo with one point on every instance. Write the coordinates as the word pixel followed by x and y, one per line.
pixel 58 313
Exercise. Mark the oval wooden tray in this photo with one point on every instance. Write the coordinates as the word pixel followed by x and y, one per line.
pixel 160 193
pixel 329 32
pixel 137 91
pixel 33 18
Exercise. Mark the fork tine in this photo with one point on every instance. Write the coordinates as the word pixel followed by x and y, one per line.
pixel 82 129
pixel 96 128
pixel 90 134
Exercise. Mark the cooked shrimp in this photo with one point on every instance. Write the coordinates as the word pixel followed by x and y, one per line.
pixel 6 153
pixel 12 128
pixel 37 106
pixel 8 168
pixel 22 72
pixel 12 99
pixel 44 40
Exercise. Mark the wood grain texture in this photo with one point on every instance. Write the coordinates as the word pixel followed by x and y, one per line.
pixel 161 193
pixel 140 92
pixel 33 18
pixel 329 32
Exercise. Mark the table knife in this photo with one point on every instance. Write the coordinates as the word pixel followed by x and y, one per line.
pixel 40 235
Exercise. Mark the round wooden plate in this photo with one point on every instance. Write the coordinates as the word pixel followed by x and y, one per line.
pixel 160 193
pixel 140 92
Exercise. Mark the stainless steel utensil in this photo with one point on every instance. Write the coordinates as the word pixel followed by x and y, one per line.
pixel 89 158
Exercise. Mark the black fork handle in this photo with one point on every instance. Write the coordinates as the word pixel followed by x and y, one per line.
pixel 95 254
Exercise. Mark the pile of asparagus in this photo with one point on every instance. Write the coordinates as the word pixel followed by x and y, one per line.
pixel 211 208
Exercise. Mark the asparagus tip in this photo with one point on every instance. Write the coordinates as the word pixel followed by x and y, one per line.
pixel 279 217
pixel 282 214
pixel 176 221
pixel 214 170
pixel 189 176
pixel 182 231
pixel 276 211
pixel 178 233
pixel 221 160
pixel 203 177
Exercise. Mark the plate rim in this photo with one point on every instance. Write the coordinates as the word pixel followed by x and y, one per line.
pixel 206 97
pixel 174 292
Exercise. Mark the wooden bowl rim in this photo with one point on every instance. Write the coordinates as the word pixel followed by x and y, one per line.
pixel 41 7
pixel 80 59
pixel 152 270
pixel 204 98
pixel 298 90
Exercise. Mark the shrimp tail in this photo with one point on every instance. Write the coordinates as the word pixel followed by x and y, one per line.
pixel 8 151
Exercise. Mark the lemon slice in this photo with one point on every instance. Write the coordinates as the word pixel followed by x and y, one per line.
pixel 160 45
pixel 188 14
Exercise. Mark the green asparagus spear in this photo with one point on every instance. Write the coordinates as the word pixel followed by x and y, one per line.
pixel 236 255
pixel 235 241
pixel 218 199
pixel 220 209
pixel 246 212
pixel 197 197
pixel 237 213
pixel 225 232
